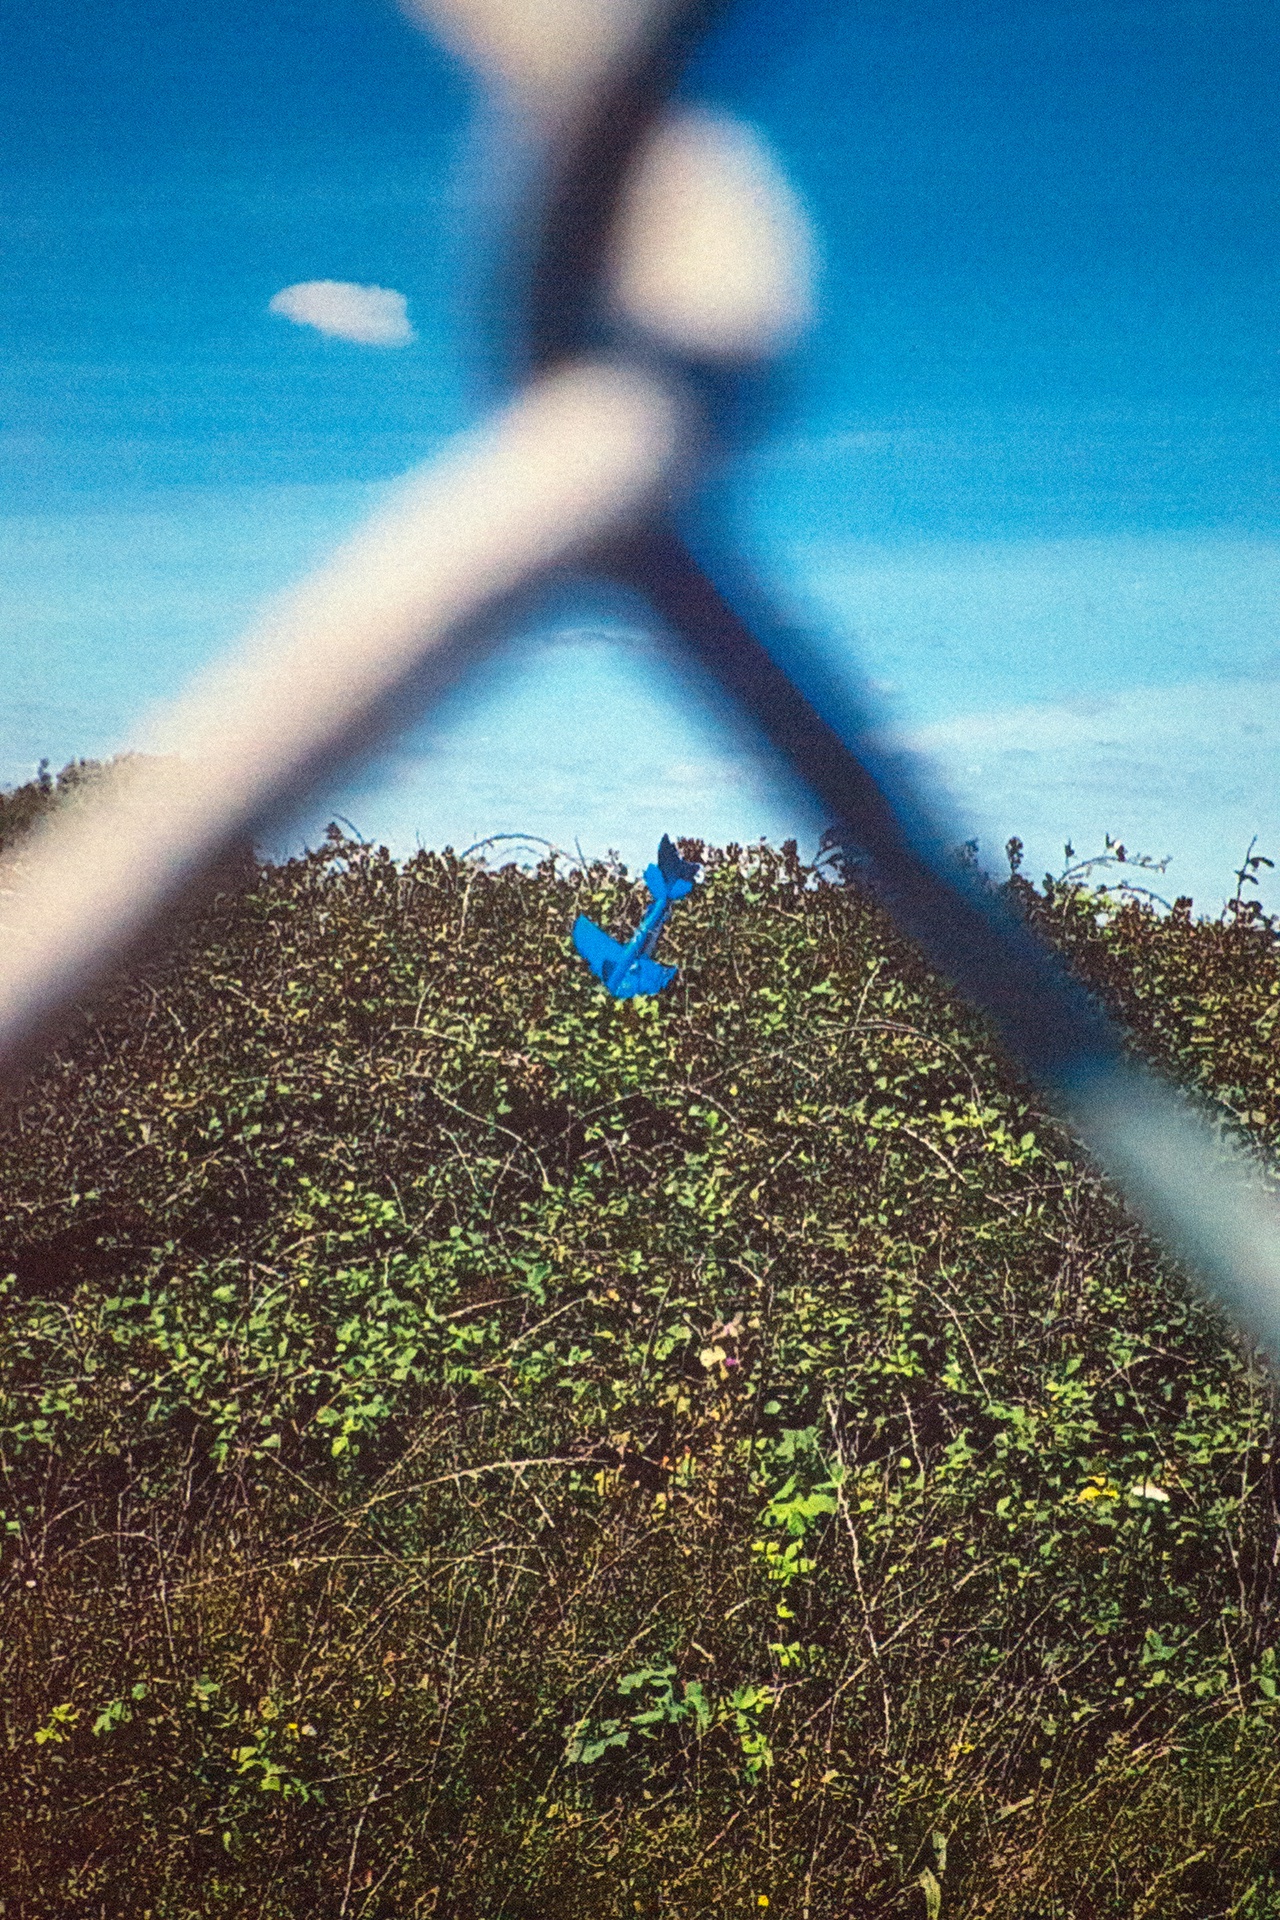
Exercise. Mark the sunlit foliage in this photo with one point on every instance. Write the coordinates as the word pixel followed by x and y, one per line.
pixel 474 1448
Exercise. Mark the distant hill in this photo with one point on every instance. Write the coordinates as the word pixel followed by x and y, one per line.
pixel 469 1447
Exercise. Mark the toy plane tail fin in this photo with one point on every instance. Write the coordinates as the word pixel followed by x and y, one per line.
pixel 670 878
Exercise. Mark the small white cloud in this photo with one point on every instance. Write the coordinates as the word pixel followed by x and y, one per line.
pixel 371 316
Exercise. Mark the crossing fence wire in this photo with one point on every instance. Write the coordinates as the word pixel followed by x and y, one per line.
pixel 656 261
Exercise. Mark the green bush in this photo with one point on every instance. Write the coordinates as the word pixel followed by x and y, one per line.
pixel 473 1448
pixel 23 808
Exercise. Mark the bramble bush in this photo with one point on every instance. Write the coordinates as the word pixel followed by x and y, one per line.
pixel 469 1447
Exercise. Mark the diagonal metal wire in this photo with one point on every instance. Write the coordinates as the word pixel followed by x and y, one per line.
pixel 619 391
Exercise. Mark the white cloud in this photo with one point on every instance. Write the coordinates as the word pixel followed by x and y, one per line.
pixel 371 316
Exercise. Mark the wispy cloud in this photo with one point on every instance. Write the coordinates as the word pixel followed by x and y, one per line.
pixel 371 316
pixel 1188 771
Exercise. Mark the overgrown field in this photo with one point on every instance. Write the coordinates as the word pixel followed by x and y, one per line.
pixel 474 1449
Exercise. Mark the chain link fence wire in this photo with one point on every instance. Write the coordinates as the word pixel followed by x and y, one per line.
pixel 657 260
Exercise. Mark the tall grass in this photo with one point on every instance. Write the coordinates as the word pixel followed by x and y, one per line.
pixel 473 1448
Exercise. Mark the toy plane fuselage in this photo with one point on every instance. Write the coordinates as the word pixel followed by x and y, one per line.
pixel 631 970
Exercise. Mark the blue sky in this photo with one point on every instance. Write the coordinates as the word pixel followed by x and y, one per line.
pixel 1022 475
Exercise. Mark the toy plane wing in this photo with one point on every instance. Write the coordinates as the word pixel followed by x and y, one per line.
pixel 624 976
pixel 644 976
pixel 601 953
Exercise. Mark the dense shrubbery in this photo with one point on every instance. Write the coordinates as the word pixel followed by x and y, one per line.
pixel 472 1448
pixel 24 807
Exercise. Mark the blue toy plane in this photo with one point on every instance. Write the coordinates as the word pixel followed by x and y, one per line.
pixel 631 970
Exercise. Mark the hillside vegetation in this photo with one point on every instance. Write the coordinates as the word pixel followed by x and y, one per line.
pixel 471 1448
